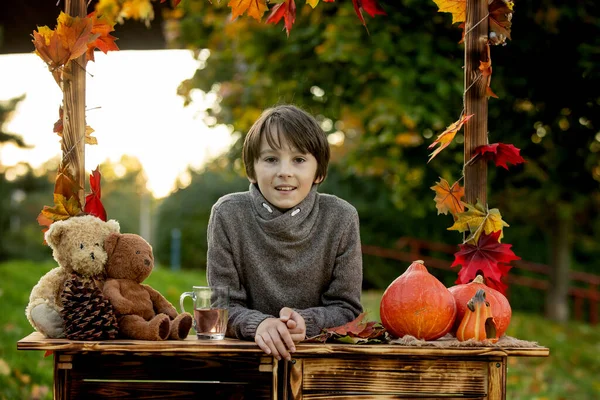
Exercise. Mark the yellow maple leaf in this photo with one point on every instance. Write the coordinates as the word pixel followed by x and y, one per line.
pixel 458 8
pixel 254 8
pixel 448 198
pixel 445 138
pixel 89 139
pixel 139 10
pixel 312 3
pixel 478 219
pixel 63 208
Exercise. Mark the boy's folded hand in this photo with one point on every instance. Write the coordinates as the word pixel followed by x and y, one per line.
pixel 273 337
pixel 294 322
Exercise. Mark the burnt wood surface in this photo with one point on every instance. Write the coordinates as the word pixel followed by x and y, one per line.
pixel 235 369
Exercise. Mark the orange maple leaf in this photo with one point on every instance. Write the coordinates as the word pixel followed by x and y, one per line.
pixel 76 33
pixel 105 41
pixel 254 8
pixel 63 208
pixel 458 8
pixel 448 198
pixel 486 70
pixel 446 137
pixel 50 48
pixel 65 184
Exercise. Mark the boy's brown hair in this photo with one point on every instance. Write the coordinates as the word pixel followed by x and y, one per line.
pixel 300 129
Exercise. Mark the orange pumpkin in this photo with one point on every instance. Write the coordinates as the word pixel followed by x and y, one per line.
pixel 478 322
pixel 498 302
pixel 417 304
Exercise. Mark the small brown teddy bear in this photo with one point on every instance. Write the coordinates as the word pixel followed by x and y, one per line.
pixel 142 312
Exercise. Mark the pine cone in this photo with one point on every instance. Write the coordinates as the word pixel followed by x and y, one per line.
pixel 88 315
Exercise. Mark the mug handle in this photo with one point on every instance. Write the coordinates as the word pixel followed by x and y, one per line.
pixel 181 298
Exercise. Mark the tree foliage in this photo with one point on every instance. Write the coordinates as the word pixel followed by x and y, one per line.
pixel 386 93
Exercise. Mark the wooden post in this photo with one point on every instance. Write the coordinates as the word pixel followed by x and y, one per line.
pixel 476 33
pixel 73 147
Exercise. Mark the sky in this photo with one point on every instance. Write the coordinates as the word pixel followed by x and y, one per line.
pixel 132 105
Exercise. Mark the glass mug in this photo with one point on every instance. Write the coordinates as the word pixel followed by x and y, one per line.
pixel 211 310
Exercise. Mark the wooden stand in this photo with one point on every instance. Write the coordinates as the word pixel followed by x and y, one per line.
pixel 233 369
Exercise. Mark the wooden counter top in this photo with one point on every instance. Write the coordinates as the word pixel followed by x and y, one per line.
pixel 36 341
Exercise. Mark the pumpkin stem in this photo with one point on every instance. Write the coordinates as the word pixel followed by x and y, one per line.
pixel 479 279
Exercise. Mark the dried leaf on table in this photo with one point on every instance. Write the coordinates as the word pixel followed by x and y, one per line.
pixel 358 331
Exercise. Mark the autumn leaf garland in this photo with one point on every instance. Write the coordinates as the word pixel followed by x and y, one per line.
pixel 481 250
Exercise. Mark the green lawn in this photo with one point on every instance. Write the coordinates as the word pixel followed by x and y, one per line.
pixel 572 371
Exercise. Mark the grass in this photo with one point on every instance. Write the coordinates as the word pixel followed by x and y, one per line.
pixel 571 372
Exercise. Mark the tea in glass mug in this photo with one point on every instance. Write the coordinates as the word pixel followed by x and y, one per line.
pixel 211 310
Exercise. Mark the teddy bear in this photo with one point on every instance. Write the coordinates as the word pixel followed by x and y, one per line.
pixel 77 245
pixel 142 312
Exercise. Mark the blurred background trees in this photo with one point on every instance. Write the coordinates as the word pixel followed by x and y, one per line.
pixel 383 94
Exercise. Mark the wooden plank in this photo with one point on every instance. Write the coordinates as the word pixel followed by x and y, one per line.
pixel 383 396
pixel 73 87
pixel 161 390
pixel 97 375
pixel 295 379
pixel 61 380
pixel 475 99
pixel 407 377
pixel 37 341
pixel 497 380
pixel 214 368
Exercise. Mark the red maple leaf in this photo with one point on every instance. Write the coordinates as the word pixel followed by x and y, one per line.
pixel 93 205
pixel 501 154
pixel 287 10
pixel 370 6
pixel 489 257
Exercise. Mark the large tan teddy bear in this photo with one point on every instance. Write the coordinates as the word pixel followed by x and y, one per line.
pixel 142 312
pixel 78 247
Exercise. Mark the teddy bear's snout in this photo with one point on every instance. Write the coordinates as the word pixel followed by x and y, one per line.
pixel 146 262
pixel 92 255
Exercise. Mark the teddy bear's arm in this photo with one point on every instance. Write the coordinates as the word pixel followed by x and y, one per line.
pixel 121 304
pixel 43 310
pixel 48 289
pixel 161 305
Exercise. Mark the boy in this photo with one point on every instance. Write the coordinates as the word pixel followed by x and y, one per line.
pixel 290 255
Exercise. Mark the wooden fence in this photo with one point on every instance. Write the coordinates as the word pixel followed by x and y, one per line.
pixel 584 287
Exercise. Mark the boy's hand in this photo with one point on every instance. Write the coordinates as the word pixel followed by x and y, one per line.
pixel 273 337
pixel 294 322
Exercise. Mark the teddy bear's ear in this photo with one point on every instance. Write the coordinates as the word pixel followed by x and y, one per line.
pixel 110 244
pixel 54 234
pixel 113 226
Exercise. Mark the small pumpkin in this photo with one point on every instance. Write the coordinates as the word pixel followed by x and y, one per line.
pixel 498 302
pixel 478 322
pixel 418 304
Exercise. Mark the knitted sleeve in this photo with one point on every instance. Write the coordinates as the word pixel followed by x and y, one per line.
pixel 341 302
pixel 221 270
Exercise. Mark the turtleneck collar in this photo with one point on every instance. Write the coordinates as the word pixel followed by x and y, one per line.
pixel 293 224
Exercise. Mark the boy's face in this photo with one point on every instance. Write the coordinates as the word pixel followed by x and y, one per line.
pixel 284 176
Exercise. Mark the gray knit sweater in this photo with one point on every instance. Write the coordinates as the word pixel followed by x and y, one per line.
pixel 309 260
